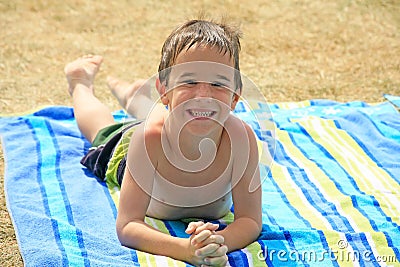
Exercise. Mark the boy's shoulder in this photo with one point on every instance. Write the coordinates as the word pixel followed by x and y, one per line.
pixel 241 135
pixel 145 142
pixel 237 125
pixel 148 130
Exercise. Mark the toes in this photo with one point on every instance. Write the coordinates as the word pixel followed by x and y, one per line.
pixel 91 58
pixel 94 59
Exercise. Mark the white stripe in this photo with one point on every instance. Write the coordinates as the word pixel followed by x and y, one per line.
pixel 249 256
pixel 161 260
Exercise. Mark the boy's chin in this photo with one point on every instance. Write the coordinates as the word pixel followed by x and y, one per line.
pixel 201 127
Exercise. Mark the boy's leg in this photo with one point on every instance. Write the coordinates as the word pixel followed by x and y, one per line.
pixel 91 115
pixel 135 98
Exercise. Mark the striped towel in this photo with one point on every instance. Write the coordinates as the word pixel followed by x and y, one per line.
pixel 331 195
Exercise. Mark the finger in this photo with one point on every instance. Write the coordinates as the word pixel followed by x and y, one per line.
pixel 199 238
pixel 216 261
pixel 218 239
pixel 221 251
pixel 193 226
pixel 207 226
pixel 209 250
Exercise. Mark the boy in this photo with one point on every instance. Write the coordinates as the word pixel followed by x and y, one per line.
pixel 189 160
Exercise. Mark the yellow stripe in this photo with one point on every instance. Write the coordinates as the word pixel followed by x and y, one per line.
pixel 336 143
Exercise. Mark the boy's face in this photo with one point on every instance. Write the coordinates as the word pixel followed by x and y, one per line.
pixel 200 92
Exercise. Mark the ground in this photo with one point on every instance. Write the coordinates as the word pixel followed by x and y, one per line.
pixel 342 50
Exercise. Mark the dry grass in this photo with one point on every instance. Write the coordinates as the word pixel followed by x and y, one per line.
pixel 293 50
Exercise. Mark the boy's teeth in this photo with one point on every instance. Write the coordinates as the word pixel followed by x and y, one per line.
pixel 201 113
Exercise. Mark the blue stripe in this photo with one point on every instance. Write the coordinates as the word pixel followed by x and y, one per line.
pixel 325 245
pixel 169 228
pixel 67 205
pixel 238 258
pixel 46 207
pixel 343 254
pixel 56 207
pixel 367 246
pixel 288 238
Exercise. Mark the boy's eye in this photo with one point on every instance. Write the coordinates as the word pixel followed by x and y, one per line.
pixel 217 84
pixel 189 82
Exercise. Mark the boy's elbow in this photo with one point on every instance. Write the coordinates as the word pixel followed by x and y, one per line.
pixel 258 227
pixel 120 233
pixel 129 233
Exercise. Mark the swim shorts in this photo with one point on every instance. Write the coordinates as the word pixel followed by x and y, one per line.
pixel 107 156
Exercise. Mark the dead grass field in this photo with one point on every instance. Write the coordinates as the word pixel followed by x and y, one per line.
pixel 343 50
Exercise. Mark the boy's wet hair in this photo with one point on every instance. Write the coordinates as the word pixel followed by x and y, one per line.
pixel 201 32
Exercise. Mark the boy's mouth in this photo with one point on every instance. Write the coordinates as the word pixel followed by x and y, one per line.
pixel 201 114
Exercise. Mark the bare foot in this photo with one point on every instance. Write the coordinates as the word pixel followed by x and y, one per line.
pixel 82 71
pixel 125 92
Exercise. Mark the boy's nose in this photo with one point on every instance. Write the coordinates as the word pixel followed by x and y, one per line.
pixel 203 90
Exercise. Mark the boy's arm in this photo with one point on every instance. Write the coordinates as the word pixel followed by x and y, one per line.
pixel 135 196
pixel 134 232
pixel 246 195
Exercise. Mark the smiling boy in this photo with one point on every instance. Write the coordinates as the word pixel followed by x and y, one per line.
pixel 192 159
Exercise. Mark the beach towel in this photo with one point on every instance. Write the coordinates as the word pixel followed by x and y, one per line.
pixel 331 195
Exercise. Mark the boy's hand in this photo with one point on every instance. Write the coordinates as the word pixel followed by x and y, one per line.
pixel 206 246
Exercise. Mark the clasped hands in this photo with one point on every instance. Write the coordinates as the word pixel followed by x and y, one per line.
pixel 206 247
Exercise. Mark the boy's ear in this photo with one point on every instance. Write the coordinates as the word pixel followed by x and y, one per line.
pixel 235 99
pixel 161 88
